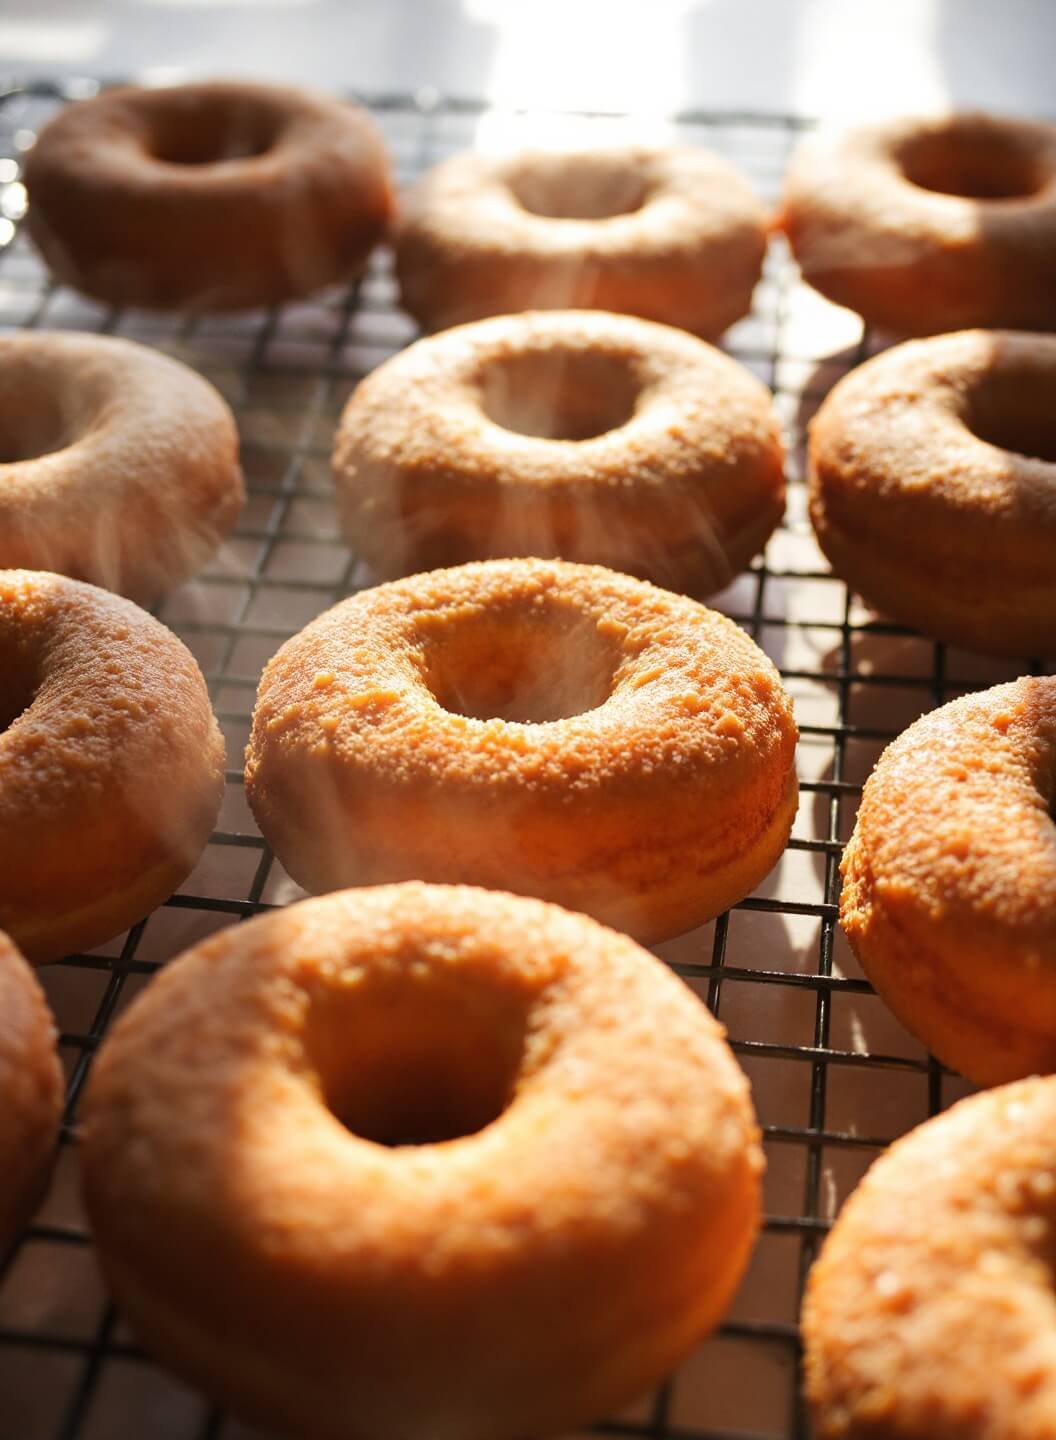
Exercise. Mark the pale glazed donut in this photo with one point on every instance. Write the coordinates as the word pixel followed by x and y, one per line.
pixel 30 1092
pixel 429 1162
pixel 529 725
pixel 119 466
pixel 949 894
pixel 672 234
pixel 219 195
pixel 929 1315
pixel 594 437
pixel 925 225
pixel 111 763
pixel 933 487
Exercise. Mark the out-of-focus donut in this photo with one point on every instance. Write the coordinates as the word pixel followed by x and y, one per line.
pixel 30 1092
pixel 672 234
pixel 218 195
pixel 930 225
pixel 592 437
pixel 119 466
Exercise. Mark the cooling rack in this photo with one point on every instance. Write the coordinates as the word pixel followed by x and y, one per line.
pixel 835 1077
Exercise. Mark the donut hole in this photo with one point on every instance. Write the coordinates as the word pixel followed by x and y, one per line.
pixel 35 426
pixel 418 1059
pixel 560 394
pixel 578 187
pixel 1015 413
pixel 529 666
pixel 971 165
pixel 211 131
pixel 19 682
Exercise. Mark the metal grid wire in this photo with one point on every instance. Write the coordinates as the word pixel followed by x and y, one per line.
pixel 835 1078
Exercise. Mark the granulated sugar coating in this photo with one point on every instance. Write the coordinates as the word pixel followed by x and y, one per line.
pixel 555 729
pixel 949 895
pixel 496 1160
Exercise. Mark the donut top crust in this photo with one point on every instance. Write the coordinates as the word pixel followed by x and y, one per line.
pixel 120 465
pixel 296 197
pixel 680 444
pixel 898 455
pixel 623 1116
pixel 30 1087
pixel 268 1009
pixel 956 840
pixel 686 250
pixel 916 259
pixel 930 1312
pixel 662 684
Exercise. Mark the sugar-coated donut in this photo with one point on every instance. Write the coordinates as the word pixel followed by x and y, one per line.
pixel 30 1092
pixel 949 893
pixel 111 763
pixel 119 466
pixel 929 1315
pixel 925 225
pixel 218 195
pixel 555 729
pixel 432 1163
pixel 672 234
pixel 933 487
pixel 594 437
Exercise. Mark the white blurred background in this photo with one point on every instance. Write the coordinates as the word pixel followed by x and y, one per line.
pixel 839 59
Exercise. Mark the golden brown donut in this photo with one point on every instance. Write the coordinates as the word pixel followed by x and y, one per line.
pixel 427 1161
pixel 30 1092
pixel 925 225
pixel 111 763
pixel 593 437
pixel 670 233
pixel 929 1315
pixel 218 195
pixel 949 893
pixel 529 725
pixel 933 487
pixel 119 466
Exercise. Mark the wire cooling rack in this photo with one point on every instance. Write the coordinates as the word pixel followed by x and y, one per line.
pixel 835 1077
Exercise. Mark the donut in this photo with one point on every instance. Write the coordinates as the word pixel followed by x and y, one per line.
pixel 428 1161
pixel 119 466
pixel 926 225
pixel 217 196
pixel 669 233
pixel 111 763
pixel 933 487
pixel 929 1314
pixel 30 1092
pixel 594 437
pixel 538 726
pixel 949 881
